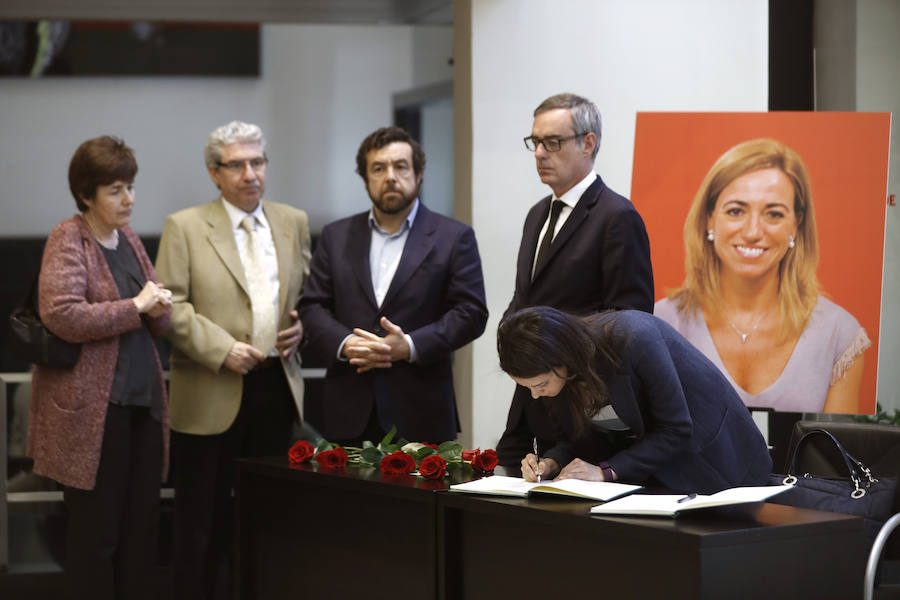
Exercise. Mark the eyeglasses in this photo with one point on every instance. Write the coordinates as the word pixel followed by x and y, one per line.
pixel 238 166
pixel 551 144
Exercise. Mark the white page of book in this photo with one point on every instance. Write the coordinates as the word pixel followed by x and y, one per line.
pixel 500 484
pixel 496 484
pixel 599 490
pixel 668 504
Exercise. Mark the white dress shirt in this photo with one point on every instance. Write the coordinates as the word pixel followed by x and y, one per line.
pixel 569 200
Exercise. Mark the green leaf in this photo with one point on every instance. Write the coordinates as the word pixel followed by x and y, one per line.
pixel 368 444
pixel 322 445
pixel 880 416
pixel 446 446
pixel 422 453
pixel 388 448
pixel 386 440
pixel 451 451
pixel 371 455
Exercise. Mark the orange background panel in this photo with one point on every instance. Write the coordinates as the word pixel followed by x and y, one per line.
pixel 846 155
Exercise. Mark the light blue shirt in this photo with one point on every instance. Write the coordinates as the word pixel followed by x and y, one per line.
pixel 385 252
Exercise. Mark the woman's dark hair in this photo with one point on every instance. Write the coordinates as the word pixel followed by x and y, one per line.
pixel 537 340
pixel 99 161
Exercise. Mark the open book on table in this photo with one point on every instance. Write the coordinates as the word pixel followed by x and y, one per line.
pixel 500 485
pixel 673 505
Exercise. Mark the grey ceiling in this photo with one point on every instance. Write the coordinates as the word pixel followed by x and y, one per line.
pixel 422 12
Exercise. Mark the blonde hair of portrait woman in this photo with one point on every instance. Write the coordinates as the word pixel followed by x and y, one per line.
pixel 751 254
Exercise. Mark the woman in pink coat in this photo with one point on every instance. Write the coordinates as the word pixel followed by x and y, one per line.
pixel 100 428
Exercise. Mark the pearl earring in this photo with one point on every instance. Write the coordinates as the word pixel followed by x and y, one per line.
pixel 709 235
pixel 791 243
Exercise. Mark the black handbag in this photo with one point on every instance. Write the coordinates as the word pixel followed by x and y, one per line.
pixel 862 494
pixel 32 341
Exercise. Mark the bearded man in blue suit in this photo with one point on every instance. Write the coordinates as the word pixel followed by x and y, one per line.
pixel 392 292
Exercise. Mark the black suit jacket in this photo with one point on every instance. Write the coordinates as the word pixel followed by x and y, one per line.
pixel 436 296
pixel 599 260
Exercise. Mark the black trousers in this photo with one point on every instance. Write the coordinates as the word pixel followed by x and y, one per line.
pixel 203 474
pixel 373 432
pixel 113 529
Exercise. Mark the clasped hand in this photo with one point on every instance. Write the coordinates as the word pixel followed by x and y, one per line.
pixel 367 351
pixel 153 300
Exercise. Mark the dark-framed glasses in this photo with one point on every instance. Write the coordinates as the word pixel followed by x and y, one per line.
pixel 238 166
pixel 551 144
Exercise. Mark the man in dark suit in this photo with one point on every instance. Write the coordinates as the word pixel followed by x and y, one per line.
pixel 392 293
pixel 584 248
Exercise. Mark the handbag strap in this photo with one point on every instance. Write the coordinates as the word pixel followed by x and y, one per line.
pixel 30 302
pixel 854 465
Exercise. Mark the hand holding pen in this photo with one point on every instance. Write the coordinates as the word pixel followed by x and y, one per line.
pixel 535 468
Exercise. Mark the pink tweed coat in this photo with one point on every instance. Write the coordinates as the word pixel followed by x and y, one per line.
pixel 79 302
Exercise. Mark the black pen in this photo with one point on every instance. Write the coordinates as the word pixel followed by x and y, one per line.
pixel 536 455
pixel 690 496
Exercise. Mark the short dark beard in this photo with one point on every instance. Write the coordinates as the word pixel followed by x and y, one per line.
pixel 398 208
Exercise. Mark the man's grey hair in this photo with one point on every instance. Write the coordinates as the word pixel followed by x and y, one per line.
pixel 232 133
pixel 585 114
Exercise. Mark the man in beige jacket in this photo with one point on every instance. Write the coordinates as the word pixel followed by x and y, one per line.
pixel 236 267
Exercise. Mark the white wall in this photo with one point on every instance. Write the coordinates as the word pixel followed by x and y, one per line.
pixel 329 87
pixel 322 89
pixel 641 55
pixel 878 89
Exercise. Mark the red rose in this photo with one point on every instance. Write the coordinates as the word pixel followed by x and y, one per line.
pixel 398 463
pixel 432 446
pixel 469 455
pixel 485 462
pixel 332 459
pixel 433 467
pixel 300 452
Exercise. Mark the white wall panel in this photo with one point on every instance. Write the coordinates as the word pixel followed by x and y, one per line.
pixel 626 56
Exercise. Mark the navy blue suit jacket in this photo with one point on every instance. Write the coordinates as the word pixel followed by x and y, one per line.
pixel 689 429
pixel 436 296
pixel 599 260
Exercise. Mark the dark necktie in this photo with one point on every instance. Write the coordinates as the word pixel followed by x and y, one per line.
pixel 544 250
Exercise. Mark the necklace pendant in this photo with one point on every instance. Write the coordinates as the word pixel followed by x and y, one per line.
pixel 744 337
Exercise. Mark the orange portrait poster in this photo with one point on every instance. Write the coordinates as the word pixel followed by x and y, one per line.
pixel 846 157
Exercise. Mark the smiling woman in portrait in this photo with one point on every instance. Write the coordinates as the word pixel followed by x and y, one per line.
pixel 750 300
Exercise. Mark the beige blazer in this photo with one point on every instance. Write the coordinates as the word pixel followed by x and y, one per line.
pixel 198 260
